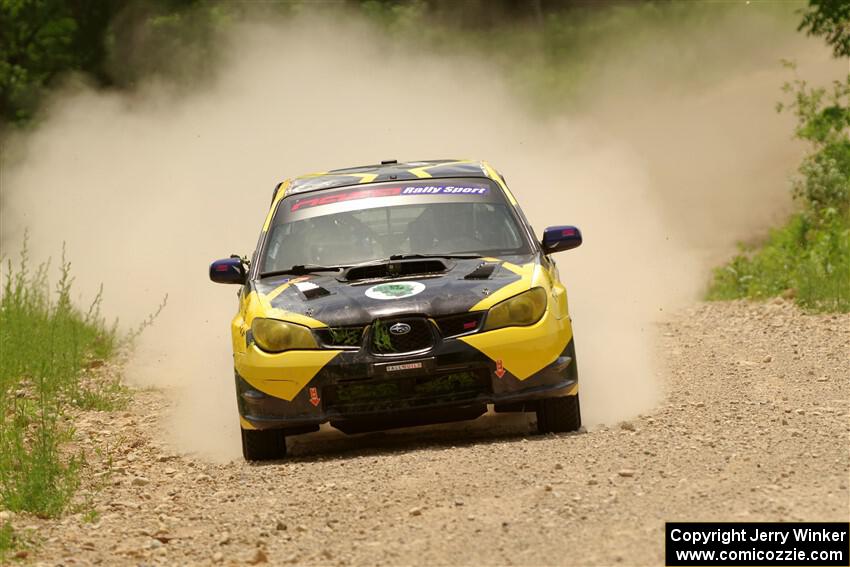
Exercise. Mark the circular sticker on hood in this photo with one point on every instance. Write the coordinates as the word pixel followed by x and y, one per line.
pixel 395 290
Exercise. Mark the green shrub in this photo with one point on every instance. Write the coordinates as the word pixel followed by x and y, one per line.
pixel 824 183
pixel 808 262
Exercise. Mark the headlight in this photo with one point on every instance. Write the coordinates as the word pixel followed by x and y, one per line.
pixel 277 336
pixel 520 310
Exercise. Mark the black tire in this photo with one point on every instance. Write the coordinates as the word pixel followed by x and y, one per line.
pixel 559 415
pixel 263 445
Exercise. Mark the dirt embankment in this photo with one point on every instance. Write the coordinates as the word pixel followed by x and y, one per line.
pixel 754 426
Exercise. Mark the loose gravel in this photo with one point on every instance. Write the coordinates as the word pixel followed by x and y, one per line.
pixel 754 427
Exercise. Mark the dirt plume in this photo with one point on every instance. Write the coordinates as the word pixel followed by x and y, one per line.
pixel 147 188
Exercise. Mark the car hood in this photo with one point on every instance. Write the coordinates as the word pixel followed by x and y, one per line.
pixel 340 303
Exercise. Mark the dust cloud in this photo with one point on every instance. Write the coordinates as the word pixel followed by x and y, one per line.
pixel 147 188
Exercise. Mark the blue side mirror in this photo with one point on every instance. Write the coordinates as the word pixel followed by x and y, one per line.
pixel 558 238
pixel 229 271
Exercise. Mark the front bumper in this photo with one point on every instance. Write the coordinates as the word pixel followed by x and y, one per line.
pixel 355 391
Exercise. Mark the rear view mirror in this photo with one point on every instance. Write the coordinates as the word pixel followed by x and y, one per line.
pixel 228 271
pixel 558 238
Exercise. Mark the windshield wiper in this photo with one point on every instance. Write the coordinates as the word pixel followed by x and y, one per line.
pixel 449 256
pixel 301 269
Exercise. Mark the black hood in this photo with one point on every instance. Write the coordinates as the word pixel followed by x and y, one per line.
pixel 333 300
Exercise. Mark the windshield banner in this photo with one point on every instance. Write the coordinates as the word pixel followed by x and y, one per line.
pixel 358 193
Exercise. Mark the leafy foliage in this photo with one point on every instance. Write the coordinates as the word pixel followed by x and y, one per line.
pixel 117 43
pixel 381 339
pixel 40 39
pixel 823 118
pixel 347 336
pixel 829 19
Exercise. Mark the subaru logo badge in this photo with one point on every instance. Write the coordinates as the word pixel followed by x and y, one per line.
pixel 400 329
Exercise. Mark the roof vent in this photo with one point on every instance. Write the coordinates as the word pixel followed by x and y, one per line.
pixel 389 161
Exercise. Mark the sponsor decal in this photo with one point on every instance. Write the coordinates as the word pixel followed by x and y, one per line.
pixel 400 329
pixel 444 189
pixel 500 369
pixel 311 291
pixel 395 290
pixel 352 194
pixel 406 366
pixel 306 286
pixel 314 396
pixel 344 196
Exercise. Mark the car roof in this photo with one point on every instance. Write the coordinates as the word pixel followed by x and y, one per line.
pixel 389 170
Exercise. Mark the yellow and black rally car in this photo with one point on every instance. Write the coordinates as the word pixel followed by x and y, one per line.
pixel 394 295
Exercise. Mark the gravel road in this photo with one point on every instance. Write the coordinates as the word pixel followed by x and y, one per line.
pixel 754 427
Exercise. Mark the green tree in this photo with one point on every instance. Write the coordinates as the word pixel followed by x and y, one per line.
pixel 39 39
pixel 829 19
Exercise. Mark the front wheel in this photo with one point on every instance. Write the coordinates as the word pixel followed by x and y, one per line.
pixel 263 445
pixel 559 415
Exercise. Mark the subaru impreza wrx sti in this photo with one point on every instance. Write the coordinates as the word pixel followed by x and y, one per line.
pixel 395 295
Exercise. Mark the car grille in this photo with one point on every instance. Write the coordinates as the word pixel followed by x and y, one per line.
pixel 341 337
pixel 419 337
pixel 459 324
pixel 405 392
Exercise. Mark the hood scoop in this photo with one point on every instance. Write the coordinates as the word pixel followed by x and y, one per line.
pixel 482 272
pixel 394 270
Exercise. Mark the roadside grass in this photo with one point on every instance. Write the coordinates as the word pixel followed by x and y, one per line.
pixel 45 345
pixel 7 540
pixel 108 395
pixel 11 543
pixel 808 263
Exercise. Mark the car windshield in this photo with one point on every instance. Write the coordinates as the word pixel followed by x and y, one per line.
pixel 356 225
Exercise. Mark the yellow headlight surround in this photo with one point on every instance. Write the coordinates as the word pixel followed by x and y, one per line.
pixel 518 311
pixel 272 335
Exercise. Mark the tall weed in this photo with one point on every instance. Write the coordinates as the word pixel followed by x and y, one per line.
pixel 45 343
